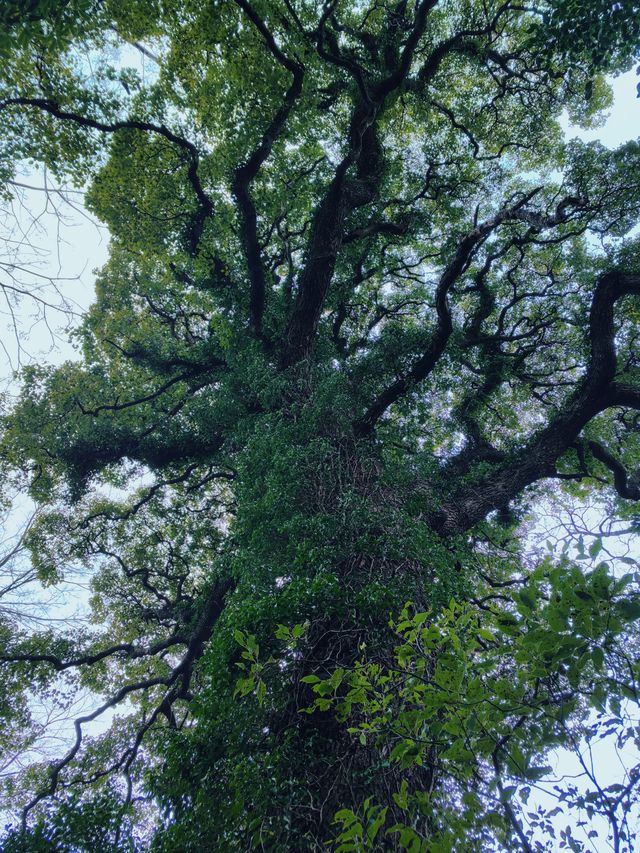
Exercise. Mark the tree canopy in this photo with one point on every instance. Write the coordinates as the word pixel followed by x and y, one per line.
pixel 365 308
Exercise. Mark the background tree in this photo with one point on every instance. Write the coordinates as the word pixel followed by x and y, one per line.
pixel 363 306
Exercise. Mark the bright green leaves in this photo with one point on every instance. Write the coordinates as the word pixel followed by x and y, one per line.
pixel 256 670
pixel 359 833
pixel 605 34
pixel 47 24
pixel 476 688
pixel 143 194
pixel 251 665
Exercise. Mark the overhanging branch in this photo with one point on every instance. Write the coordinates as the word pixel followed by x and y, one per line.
pixel 536 459
pixel 176 682
pixel 204 202
pixel 624 484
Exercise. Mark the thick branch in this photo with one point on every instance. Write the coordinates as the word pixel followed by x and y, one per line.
pixel 399 75
pixel 536 460
pixel 327 236
pixel 344 195
pixel 624 395
pixel 624 486
pixel 246 173
pixel 128 650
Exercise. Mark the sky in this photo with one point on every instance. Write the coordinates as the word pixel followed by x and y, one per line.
pixel 623 122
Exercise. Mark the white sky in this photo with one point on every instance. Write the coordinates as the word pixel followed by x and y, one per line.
pixel 624 117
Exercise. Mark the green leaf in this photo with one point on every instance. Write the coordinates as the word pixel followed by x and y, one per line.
pixel 507 793
pixel 527 598
pixel 629 609
pixel 595 548
pixel 597 656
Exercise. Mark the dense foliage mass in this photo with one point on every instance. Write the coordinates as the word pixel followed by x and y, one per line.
pixel 364 306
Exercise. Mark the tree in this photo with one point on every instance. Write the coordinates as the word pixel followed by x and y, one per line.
pixel 364 306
